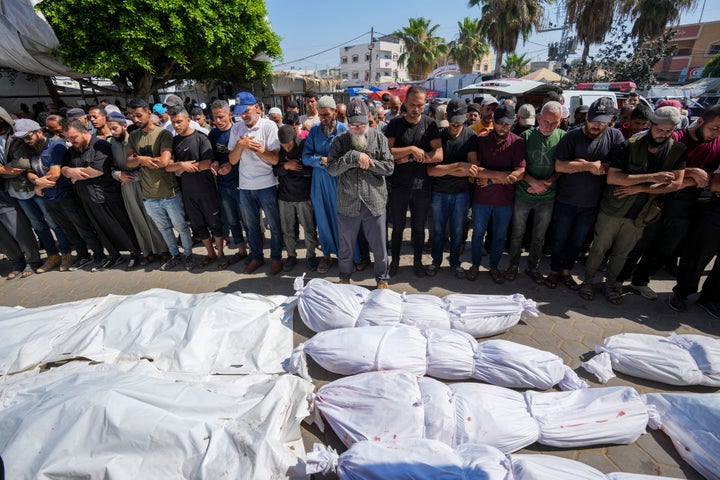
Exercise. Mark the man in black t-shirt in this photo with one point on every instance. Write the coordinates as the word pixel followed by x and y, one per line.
pixel 192 158
pixel 415 142
pixel 451 188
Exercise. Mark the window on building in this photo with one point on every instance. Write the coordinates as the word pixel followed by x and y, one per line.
pixel 343 59
pixel 355 59
pixel 367 57
pixel 355 75
pixel 344 75
pixel 485 67
pixel 395 56
pixel 714 49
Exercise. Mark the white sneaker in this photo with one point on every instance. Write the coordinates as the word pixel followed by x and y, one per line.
pixel 644 291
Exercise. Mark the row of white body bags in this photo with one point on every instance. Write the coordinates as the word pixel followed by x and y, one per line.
pixel 675 360
pixel 326 306
pixel 437 352
pixel 392 405
pixel 418 459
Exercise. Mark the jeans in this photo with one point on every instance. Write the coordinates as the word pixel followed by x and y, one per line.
pixel 481 219
pixel 571 225
pixel 231 213
pixel 41 221
pixel 448 208
pixel 168 213
pixel 419 202
pixel 541 219
pixel 251 202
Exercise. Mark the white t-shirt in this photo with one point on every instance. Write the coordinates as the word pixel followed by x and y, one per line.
pixel 304 118
pixel 255 173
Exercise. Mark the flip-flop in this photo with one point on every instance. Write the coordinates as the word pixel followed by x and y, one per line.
pixel 206 261
pixel 14 274
pixel 223 264
pixel 27 272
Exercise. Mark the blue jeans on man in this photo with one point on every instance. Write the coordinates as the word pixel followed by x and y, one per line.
pixel 41 221
pixel 232 213
pixel 448 208
pixel 168 213
pixel 482 214
pixel 251 203
pixel 571 225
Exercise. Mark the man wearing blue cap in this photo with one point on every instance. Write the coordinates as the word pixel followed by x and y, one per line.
pixel 254 146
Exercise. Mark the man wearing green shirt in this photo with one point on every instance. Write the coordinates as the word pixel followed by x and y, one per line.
pixel 536 191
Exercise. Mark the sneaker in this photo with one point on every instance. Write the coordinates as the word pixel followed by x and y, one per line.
pixel 51 262
pixel 644 291
pixel 189 264
pixel 132 263
pixel 171 263
pixel 459 272
pixel 678 304
pixel 100 265
pixel 419 270
pixel 79 263
pixel 112 261
pixel 710 307
pixel 65 262
pixel 313 262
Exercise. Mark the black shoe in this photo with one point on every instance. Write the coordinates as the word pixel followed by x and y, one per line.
pixel 678 304
pixel 712 308
pixel 79 263
pixel 132 263
pixel 170 263
pixel 112 261
pixel 419 270
pixel 289 263
pixel 189 264
pixel 394 269
pixel 313 263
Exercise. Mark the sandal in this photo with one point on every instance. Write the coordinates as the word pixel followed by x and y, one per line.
pixel 14 274
pixel 535 275
pixel 206 261
pixel 27 272
pixel 569 282
pixel 511 273
pixel 431 270
pixel 552 280
pixel 223 263
pixel 612 294
pixel 472 273
pixel 586 291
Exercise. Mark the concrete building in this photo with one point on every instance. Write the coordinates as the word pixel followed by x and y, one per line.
pixel 697 44
pixel 373 63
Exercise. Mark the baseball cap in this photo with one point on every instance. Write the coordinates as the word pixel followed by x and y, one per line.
pixel 116 117
pixel 504 114
pixel 75 113
pixel 159 108
pixel 582 109
pixel 601 110
pixel 526 114
pixel 489 100
pixel 242 101
pixel 669 103
pixel 663 116
pixel 24 126
pixel 286 133
pixel 357 112
pixel 456 110
pixel 473 107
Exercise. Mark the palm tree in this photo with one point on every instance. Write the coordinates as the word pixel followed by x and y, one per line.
pixel 593 20
pixel 422 47
pixel 503 21
pixel 517 65
pixel 652 16
pixel 470 45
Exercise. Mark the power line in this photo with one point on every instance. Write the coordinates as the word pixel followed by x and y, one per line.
pixel 320 53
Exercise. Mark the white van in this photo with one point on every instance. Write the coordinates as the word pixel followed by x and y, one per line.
pixel 529 91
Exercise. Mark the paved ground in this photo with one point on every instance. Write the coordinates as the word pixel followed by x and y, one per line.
pixel 567 326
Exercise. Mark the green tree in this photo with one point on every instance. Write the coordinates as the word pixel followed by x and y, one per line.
pixel 470 45
pixel 422 47
pixel 593 19
pixel 653 16
pixel 516 65
pixel 712 68
pixel 145 45
pixel 503 21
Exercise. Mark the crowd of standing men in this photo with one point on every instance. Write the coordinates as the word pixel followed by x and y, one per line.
pixel 155 178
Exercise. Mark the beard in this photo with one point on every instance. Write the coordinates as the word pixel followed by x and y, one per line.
pixel 359 141
pixel 329 128
pixel 652 143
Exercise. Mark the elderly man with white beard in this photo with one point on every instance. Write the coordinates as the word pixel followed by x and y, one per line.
pixel 361 159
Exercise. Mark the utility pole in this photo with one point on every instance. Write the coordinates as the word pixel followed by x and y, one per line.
pixel 372 44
